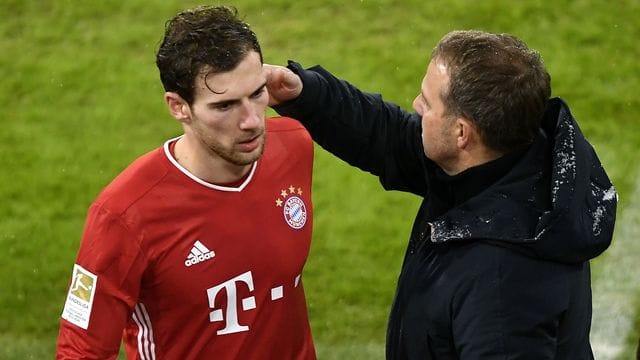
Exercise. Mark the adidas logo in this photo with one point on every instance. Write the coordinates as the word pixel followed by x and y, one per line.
pixel 198 254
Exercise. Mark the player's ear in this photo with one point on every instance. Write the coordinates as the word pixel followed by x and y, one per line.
pixel 178 107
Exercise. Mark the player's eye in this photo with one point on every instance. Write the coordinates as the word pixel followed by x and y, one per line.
pixel 223 106
pixel 259 92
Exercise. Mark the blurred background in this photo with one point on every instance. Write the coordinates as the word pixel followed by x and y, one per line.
pixel 80 98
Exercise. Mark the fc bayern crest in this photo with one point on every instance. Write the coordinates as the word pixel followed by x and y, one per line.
pixel 295 212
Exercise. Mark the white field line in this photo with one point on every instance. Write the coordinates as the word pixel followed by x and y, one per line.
pixel 617 283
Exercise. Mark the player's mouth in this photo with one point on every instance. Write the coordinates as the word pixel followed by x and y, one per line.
pixel 251 144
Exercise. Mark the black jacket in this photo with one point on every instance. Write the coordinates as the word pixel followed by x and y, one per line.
pixel 497 263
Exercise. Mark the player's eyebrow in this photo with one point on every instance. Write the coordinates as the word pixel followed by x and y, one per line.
pixel 232 101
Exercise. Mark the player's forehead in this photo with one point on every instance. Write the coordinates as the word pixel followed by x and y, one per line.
pixel 241 81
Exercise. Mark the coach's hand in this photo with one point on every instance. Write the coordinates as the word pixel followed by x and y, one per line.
pixel 282 84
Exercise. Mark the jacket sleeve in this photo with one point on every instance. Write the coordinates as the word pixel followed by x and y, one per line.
pixel 361 129
pixel 103 291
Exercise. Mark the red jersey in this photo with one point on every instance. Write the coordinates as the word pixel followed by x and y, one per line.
pixel 178 268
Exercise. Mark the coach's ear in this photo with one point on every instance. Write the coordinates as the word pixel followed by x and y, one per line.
pixel 465 132
pixel 178 107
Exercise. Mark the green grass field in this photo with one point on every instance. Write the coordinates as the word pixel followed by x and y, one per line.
pixel 80 99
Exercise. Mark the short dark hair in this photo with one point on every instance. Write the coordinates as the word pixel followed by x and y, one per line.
pixel 205 39
pixel 496 82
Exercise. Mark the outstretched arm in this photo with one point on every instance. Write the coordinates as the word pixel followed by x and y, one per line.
pixel 358 127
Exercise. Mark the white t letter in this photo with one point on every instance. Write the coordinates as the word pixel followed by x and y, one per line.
pixel 248 303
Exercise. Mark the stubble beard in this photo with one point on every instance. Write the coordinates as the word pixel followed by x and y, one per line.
pixel 236 157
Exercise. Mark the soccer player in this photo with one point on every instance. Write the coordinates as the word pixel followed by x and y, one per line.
pixel 196 250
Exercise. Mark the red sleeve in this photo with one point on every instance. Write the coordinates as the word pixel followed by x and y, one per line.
pixel 104 289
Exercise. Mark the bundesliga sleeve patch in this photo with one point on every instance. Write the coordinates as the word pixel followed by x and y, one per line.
pixel 77 308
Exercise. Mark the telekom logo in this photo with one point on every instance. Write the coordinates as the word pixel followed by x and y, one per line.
pixel 229 312
pixel 248 303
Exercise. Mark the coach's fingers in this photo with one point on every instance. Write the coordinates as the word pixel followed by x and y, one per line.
pixel 282 84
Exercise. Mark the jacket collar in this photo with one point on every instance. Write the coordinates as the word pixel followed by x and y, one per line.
pixel 555 203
